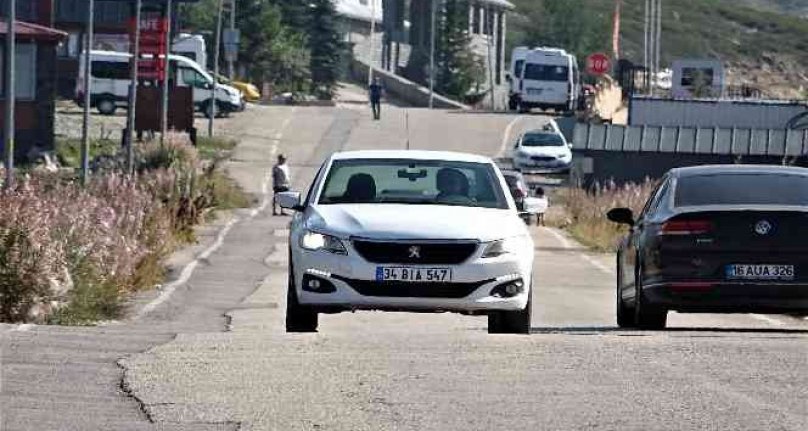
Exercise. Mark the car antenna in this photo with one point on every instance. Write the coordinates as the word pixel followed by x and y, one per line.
pixel 407 126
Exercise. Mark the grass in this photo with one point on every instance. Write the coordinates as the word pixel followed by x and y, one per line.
pixel 68 151
pixel 226 192
pixel 584 215
pixel 215 148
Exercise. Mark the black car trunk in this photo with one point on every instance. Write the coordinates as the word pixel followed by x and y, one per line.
pixel 757 245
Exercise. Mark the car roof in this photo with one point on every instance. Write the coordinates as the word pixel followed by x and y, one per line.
pixel 412 155
pixel 737 169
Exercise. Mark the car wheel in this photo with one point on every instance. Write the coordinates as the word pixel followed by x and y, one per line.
pixel 511 322
pixel 106 106
pixel 647 316
pixel 299 318
pixel 625 314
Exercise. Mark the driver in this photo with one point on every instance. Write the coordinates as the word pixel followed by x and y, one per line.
pixel 453 187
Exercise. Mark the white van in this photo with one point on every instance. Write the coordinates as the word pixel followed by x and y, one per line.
pixel 110 84
pixel 550 79
pixel 518 57
pixel 191 46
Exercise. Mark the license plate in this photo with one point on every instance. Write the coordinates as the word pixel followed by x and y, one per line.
pixel 414 275
pixel 760 272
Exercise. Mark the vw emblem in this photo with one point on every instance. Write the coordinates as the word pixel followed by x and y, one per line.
pixel 763 227
pixel 415 252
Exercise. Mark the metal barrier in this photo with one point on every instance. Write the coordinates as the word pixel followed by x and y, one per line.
pixel 691 140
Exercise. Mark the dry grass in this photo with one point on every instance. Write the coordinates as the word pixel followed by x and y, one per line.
pixel 584 212
pixel 71 254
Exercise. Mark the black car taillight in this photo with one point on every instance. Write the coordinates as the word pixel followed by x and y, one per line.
pixel 686 227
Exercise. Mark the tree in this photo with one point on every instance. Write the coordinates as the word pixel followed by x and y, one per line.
pixel 458 69
pixel 325 46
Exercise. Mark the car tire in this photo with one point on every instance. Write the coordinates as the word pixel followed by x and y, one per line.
pixel 647 316
pixel 299 318
pixel 106 106
pixel 625 313
pixel 511 322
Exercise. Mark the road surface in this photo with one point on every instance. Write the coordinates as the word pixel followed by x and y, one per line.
pixel 213 354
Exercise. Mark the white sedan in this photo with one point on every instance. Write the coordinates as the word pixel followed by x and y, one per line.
pixel 408 231
pixel 545 151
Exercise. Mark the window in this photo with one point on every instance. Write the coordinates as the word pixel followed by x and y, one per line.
pixel 755 189
pixel 543 72
pixel 118 70
pixel 25 76
pixel 697 77
pixel 192 78
pixel 518 66
pixel 542 140
pixel 70 47
pixel 415 182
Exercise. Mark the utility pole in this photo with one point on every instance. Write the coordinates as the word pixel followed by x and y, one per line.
pixel 658 40
pixel 372 48
pixel 432 40
pixel 216 49
pixel 167 71
pixel 647 39
pixel 130 115
pixel 8 129
pixel 230 63
pixel 88 65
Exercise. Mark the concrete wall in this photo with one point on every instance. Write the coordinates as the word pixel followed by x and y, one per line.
pixel 712 113
pixel 402 89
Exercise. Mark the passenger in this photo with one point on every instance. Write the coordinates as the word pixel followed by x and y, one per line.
pixel 453 187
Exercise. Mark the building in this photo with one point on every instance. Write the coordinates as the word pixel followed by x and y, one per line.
pixel 403 37
pixel 35 84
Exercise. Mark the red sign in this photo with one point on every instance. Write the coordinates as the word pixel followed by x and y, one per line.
pixel 598 64
pixel 153 31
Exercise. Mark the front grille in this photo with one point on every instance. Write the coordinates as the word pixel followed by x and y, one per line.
pixel 392 289
pixel 419 253
pixel 543 159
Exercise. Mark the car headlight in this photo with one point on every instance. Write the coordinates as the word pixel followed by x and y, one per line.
pixel 502 247
pixel 314 241
pixel 522 154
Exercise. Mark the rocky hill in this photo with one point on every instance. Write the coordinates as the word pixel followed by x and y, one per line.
pixel 764 43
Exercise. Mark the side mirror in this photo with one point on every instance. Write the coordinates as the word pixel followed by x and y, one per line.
pixel 290 201
pixel 621 216
pixel 508 77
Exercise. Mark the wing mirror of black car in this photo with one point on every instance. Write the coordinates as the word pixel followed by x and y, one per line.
pixel 412 174
pixel 621 216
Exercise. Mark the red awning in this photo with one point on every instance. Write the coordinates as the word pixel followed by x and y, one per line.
pixel 26 30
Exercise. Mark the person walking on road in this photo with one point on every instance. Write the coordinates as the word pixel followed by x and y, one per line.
pixel 376 98
pixel 281 182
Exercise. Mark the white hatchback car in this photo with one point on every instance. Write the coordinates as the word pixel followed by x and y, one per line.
pixel 545 151
pixel 415 231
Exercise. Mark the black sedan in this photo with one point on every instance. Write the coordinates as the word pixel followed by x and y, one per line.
pixel 715 239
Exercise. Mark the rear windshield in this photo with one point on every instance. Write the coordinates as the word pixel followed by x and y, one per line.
pixel 742 189
pixel 544 72
pixel 542 140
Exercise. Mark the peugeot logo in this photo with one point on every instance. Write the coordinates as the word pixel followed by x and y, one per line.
pixel 763 227
pixel 415 252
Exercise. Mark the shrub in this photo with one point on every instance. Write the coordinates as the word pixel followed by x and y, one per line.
pixel 586 211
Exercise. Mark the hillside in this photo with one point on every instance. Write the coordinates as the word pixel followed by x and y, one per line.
pixel 761 47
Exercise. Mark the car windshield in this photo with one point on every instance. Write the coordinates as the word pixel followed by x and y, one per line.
pixel 542 140
pixel 546 72
pixel 418 182
pixel 742 189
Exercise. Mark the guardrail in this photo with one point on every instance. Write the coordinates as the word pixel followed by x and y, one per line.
pixel 691 140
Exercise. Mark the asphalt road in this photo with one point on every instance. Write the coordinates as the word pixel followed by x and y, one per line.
pixel 213 354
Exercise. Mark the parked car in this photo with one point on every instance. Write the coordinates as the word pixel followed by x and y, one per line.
pixel 249 90
pixel 717 239
pixel 545 150
pixel 110 84
pixel 408 231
